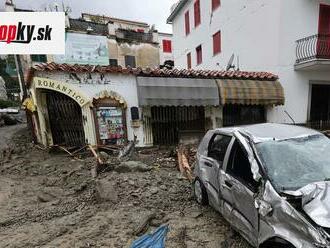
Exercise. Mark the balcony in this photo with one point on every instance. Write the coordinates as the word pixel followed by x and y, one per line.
pixel 131 35
pixel 313 53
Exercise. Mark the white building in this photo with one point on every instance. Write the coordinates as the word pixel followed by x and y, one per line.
pixel 75 105
pixel 165 48
pixel 287 37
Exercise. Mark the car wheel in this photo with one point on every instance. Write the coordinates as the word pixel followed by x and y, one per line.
pixel 200 192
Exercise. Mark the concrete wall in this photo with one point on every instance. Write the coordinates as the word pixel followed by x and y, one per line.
pixel 263 34
pixel 146 55
pixel 124 85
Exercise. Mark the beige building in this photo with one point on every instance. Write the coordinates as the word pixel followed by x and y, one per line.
pixel 102 40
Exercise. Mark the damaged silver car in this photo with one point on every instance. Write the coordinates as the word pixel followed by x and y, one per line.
pixel 271 182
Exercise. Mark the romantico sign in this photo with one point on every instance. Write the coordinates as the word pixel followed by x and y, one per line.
pixel 65 88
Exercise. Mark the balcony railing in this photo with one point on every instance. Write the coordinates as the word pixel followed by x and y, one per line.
pixel 313 47
pixel 134 36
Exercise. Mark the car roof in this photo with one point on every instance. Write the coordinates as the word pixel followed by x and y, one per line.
pixel 271 131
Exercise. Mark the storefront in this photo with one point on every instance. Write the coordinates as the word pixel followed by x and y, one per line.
pixel 175 109
pixel 75 105
pixel 246 101
pixel 75 108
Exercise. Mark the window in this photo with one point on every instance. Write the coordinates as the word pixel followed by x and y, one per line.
pixel 215 4
pixel 239 167
pixel 113 62
pixel 238 114
pixel 130 61
pixel 199 54
pixel 189 60
pixel 187 23
pixel 197 13
pixel 218 147
pixel 217 43
pixel 167 46
pixel 39 58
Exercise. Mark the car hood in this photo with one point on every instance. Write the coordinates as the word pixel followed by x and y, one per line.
pixel 315 202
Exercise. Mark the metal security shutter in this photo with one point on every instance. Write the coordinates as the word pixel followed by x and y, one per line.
pixel 65 119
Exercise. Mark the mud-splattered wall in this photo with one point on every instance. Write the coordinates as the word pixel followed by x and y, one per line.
pixel 146 54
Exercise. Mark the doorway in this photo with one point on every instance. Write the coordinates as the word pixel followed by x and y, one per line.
pixel 320 103
pixel 65 120
pixel 171 123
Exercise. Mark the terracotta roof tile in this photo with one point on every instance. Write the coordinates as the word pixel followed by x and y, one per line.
pixel 156 72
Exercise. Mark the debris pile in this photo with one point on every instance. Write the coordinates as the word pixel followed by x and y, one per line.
pixel 52 193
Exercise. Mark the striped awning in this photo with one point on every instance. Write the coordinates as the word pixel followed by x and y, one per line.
pixel 250 92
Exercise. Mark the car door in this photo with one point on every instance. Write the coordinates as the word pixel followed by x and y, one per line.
pixel 238 189
pixel 211 164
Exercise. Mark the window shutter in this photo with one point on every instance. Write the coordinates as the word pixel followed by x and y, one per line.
pixel 187 23
pixel 167 46
pixel 189 60
pixel 215 4
pixel 217 43
pixel 197 13
pixel 164 46
pixel 199 54
pixel 324 19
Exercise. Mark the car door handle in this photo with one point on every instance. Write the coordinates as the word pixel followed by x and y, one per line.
pixel 208 164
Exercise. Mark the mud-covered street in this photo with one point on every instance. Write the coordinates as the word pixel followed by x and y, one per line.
pixel 51 200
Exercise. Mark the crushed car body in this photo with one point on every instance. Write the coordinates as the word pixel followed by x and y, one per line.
pixel 271 182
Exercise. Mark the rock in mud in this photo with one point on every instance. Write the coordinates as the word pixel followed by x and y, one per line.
pixel 132 166
pixel 106 191
pixel 45 197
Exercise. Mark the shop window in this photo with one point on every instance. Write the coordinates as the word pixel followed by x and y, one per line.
pixel 189 60
pixel 167 46
pixel 215 4
pixel 187 23
pixel 197 13
pixel 111 124
pixel 130 61
pixel 113 62
pixel 199 54
pixel 217 43
pixel 39 58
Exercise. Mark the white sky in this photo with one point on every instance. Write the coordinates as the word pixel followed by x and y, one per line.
pixel 150 11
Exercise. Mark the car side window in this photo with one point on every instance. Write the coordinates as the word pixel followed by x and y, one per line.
pixel 240 168
pixel 218 147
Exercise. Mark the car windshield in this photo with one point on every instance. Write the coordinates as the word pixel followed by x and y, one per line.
pixel 294 163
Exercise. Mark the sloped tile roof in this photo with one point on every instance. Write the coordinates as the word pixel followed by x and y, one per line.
pixel 148 72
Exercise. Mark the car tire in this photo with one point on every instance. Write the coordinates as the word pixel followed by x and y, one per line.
pixel 200 192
